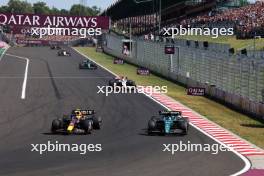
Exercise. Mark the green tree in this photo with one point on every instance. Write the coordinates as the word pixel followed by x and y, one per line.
pixel 55 11
pixel 78 9
pixel 41 8
pixel 96 10
pixel 27 7
pixel 3 9
pixel 64 12
pixel 22 6
pixel 243 2
pixel 15 6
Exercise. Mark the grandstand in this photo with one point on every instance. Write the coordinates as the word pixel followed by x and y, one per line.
pixel 247 20
pixel 148 15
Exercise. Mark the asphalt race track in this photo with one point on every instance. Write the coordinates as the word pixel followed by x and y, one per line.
pixel 55 86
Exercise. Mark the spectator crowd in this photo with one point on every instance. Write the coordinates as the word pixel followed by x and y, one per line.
pixel 248 21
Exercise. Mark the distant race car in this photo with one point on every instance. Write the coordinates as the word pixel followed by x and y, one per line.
pixel 87 64
pixel 121 82
pixel 80 121
pixel 64 53
pixel 168 122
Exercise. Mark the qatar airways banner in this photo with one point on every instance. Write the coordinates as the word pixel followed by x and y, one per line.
pixel 33 20
pixel 46 24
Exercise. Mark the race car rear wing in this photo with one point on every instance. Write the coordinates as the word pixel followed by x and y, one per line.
pixel 170 112
pixel 85 112
pixel 88 112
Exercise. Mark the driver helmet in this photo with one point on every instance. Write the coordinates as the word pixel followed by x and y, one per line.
pixel 78 113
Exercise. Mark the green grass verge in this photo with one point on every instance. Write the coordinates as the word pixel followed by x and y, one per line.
pixel 237 44
pixel 240 124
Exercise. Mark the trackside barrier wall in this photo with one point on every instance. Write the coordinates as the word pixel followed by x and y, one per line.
pixel 234 79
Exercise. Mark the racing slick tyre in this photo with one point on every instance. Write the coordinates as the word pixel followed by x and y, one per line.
pixel 97 123
pixel 56 125
pixel 185 127
pixel 111 83
pixel 151 126
pixel 154 118
pixel 87 126
pixel 130 83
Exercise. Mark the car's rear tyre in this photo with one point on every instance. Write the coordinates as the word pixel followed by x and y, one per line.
pixel 87 126
pixel 111 83
pixel 131 83
pixel 56 125
pixel 97 122
pixel 185 128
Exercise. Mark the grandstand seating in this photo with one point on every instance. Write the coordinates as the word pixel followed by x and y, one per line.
pixel 248 20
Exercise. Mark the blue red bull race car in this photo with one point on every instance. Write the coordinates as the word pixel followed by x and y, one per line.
pixel 168 122
pixel 79 121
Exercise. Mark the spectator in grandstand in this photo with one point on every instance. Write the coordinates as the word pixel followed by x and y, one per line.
pixel 248 20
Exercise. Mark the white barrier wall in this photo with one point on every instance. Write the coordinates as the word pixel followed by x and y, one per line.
pixel 237 80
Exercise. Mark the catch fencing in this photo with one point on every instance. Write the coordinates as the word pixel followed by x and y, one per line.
pixel 237 80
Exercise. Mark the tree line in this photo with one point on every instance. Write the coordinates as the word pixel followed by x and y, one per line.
pixel 18 6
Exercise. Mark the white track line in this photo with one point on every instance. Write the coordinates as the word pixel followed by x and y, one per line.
pixel 24 86
pixel 246 161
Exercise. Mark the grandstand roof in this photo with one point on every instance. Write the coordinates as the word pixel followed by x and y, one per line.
pixel 127 8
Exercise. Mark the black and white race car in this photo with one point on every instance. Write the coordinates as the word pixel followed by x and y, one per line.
pixel 87 64
pixel 64 53
pixel 121 82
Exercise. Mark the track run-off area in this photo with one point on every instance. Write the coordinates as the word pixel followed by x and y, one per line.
pixel 43 86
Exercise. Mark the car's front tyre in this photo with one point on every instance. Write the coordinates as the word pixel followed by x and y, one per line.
pixel 56 125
